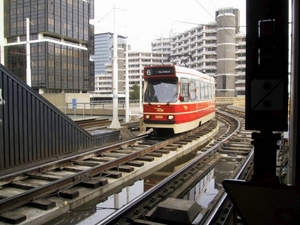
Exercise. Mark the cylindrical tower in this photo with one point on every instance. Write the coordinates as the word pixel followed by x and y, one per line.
pixel 226 55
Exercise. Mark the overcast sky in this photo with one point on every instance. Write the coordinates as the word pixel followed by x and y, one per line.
pixel 143 21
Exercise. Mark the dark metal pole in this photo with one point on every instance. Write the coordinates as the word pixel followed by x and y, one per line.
pixel 265 147
pixel 294 151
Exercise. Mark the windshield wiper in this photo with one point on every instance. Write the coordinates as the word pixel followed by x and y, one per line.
pixel 175 95
pixel 148 99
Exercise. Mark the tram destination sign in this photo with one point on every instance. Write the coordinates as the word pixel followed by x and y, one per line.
pixel 160 71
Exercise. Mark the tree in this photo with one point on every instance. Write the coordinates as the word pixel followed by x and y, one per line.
pixel 134 92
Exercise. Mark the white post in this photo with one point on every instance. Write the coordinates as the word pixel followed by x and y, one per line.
pixel 126 85
pixel 28 67
pixel 115 121
pixel 3 40
pixel 128 194
pixel 141 94
pixel 116 201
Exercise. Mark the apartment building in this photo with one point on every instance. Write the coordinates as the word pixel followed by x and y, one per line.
pixel 240 65
pixel 217 49
pixel 162 45
pixel 137 60
pixel 196 48
pixel 61 41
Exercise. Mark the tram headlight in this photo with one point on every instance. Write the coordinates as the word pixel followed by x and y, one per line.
pixel 147 117
pixel 170 117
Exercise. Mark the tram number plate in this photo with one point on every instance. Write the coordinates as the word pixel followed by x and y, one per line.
pixel 158 117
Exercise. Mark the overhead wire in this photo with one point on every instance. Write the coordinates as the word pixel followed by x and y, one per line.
pixel 233 38
pixel 214 18
pixel 105 16
pixel 211 16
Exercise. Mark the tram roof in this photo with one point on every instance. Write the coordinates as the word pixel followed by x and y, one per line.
pixel 180 69
pixel 185 72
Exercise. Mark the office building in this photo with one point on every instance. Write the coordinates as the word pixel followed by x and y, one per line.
pixel 103 50
pixel 61 42
pixel 103 59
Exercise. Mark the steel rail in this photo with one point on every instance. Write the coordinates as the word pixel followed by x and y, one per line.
pixel 67 158
pixel 213 212
pixel 69 181
pixel 125 209
pixel 221 200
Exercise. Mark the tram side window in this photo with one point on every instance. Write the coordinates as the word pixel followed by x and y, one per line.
pixel 198 94
pixel 184 89
pixel 192 90
pixel 202 90
pixel 205 91
pixel 209 91
pixel 212 91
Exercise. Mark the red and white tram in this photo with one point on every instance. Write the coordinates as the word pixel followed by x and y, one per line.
pixel 177 99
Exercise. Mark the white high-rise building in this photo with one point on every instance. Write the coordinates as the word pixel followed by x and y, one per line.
pixel 240 66
pixel 137 60
pixel 162 45
pixel 217 49
pixel 196 48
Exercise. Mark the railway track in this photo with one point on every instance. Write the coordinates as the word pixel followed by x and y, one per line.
pixel 54 188
pixel 222 211
pixel 58 186
pixel 142 209
pixel 94 123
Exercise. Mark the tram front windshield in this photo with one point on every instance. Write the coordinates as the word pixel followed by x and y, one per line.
pixel 161 91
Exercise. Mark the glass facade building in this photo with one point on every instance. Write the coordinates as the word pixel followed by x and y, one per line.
pixel 103 59
pixel 61 42
pixel 103 51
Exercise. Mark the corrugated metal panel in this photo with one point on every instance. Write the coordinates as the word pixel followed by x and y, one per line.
pixel 32 129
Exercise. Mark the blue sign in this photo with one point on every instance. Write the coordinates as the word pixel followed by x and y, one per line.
pixel 73 103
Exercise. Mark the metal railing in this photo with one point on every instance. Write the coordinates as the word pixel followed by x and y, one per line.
pixel 236 101
pixel 32 130
pixel 104 107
